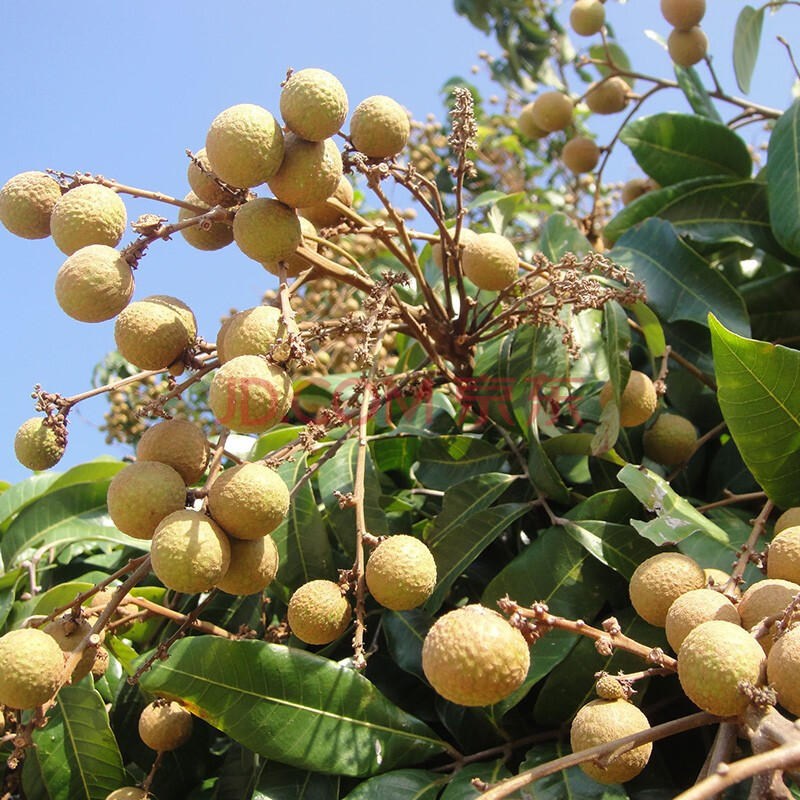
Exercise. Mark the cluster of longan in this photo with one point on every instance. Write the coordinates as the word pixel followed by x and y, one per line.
pixel 687 43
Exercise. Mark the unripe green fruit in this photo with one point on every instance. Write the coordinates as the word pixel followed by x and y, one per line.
pixel 783 670
pixel 784 556
pixel 309 172
pixel 32 666
pixel 253 566
pixel 249 395
pixel 694 607
pixel 26 203
pixel 217 236
pixel 609 688
pixel 490 261
pixel 154 332
pixel 254 332
pixel 603 721
pixel 687 48
pixel 318 612
pixel 465 236
pixel 244 145
pixel 249 501
pixel 659 581
pixel 683 14
pixel 88 214
pixel 788 519
pixel 294 264
pixel 178 443
pixel 266 230
pixel 474 657
pixel 763 599
pixel 190 552
pixel 68 633
pixel 670 440
pixel 712 660
pixel 94 284
pixel 638 401
pixel 128 793
pixel 580 154
pixel 527 125
pixel 165 727
pixel 587 17
pixel 324 216
pixel 313 104
pixel 552 111
pixel 142 494
pixel 205 188
pixel 401 573
pixel 608 97
pixel 379 127
pixel 36 445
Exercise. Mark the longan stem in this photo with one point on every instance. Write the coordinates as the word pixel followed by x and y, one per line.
pixel 744 557
pixel 176 616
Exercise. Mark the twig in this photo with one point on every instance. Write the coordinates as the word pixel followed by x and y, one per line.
pixel 744 557
pixel 732 499
pixel 148 781
pixel 176 616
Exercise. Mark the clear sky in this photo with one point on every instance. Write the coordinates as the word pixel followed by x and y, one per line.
pixel 122 89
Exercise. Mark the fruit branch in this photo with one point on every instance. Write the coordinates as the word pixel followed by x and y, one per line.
pixel 759 524
pixel 176 616
pixel 215 466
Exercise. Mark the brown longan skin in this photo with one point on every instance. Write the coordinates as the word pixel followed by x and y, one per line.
pixel 552 111
pixel 608 97
pixel 683 14
pixel 165 727
pixel 687 48
pixel 580 154
pixel 657 582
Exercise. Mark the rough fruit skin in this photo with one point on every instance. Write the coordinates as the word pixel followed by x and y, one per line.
pixel 254 331
pixel 660 580
pixel 318 613
pixel 788 519
pixel 401 573
pixel 142 494
pixel 526 123
pixel 763 599
pixel 165 727
pixel 207 190
pixel 36 445
pixel 128 793
pixel 712 660
pixel 687 48
pixel 309 172
pixel 490 261
pixel 683 14
pixel 608 97
pixel 294 265
pixel 694 607
pixel 638 401
pixel 670 440
pixel 609 688
pixel 190 552
pixel 100 663
pixel 248 395
pixel 266 230
pixel 253 566
pixel 473 656
pixel 324 216
pixel 465 236
pixel 784 556
pixel 88 214
pixel 32 666
pixel 783 669
pixel 219 235
pixel 379 127
pixel 26 202
pixel 313 104
pixel 154 332
pixel 249 500
pixel 178 443
pixel 587 17
pixel 580 154
pixel 552 111
pixel 68 634
pixel 244 145
pixel 94 284
pixel 603 721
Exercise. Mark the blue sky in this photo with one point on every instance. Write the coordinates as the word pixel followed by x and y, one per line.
pixel 122 89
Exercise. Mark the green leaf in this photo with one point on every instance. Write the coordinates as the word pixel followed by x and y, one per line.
pixel 746 41
pixel 405 634
pixel 772 305
pixel 560 235
pixel 619 57
pixel 696 93
pixel 759 400
pixel 302 541
pixel 446 460
pixel 673 147
pixel 653 332
pixel 239 774
pixel 783 179
pixel 577 444
pixel 408 784
pixel 78 755
pixel 21 494
pixel 292 706
pixel 617 546
pixel 680 284
pixel 676 517
pixel 98 470
pixel 278 782
pixel 461 788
